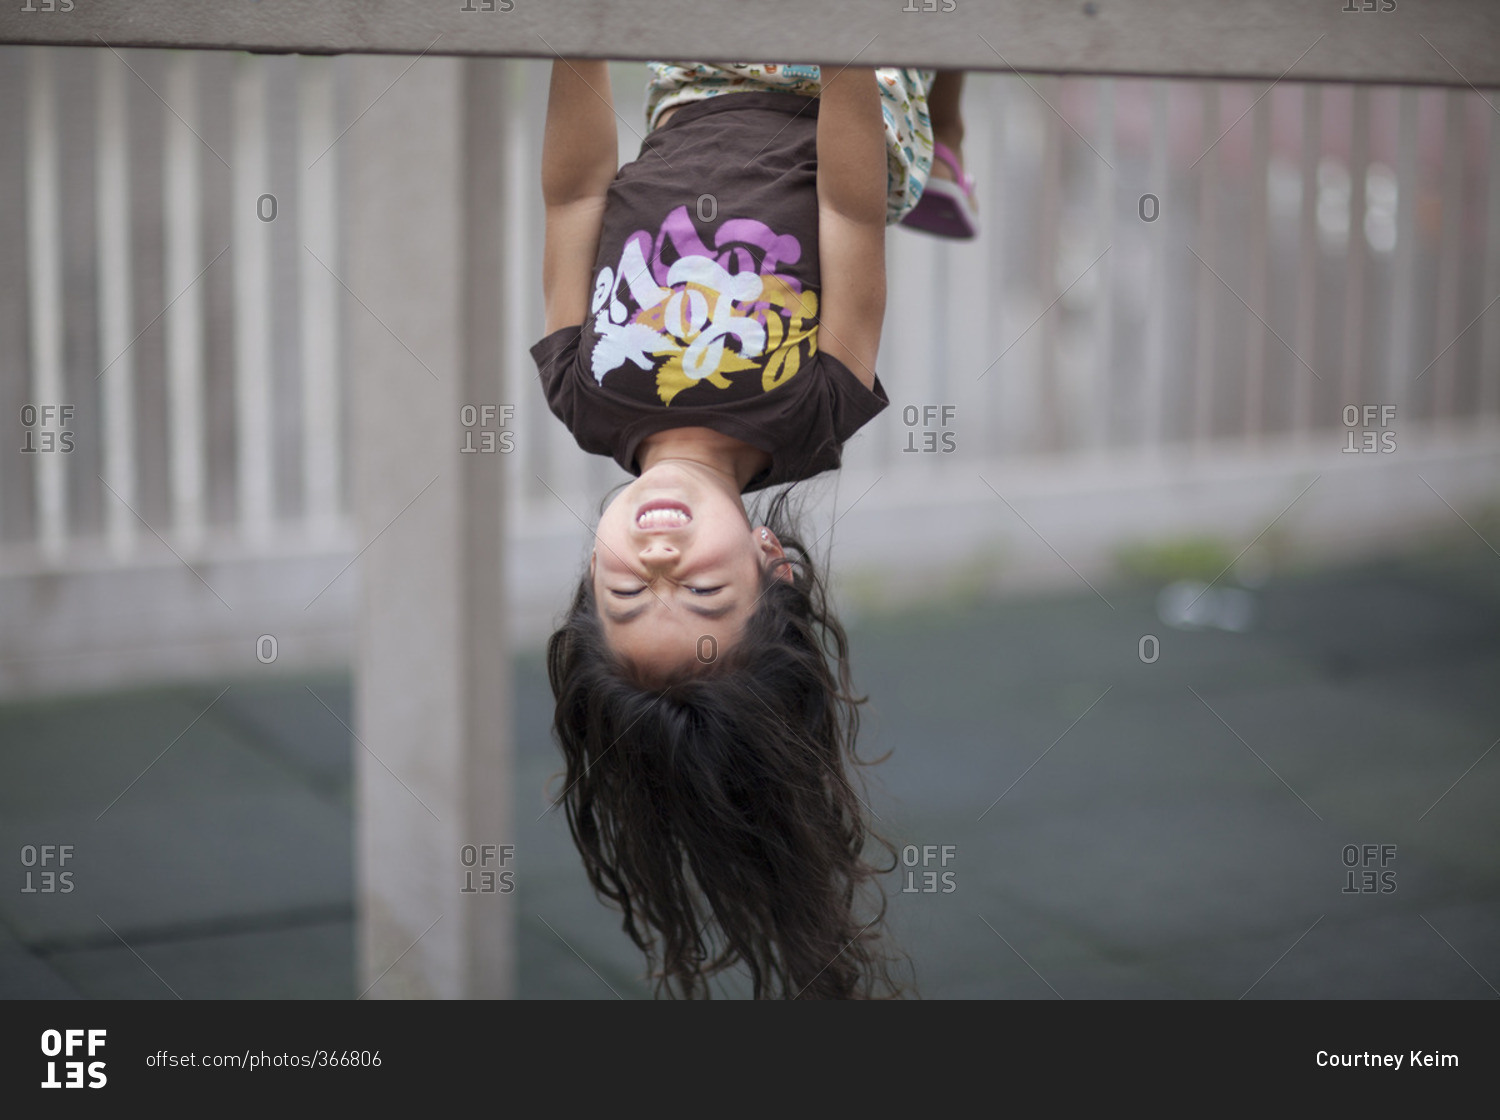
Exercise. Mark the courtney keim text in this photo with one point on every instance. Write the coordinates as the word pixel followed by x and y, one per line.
pixel 1413 1059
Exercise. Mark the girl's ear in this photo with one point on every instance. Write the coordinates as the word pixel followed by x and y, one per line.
pixel 770 551
pixel 593 560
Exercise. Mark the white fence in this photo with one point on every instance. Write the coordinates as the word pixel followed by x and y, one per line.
pixel 1180 290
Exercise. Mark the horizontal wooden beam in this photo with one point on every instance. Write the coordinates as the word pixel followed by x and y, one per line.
pixel 1434 42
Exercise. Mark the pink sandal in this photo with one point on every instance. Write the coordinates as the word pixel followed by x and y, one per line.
pixel 946 208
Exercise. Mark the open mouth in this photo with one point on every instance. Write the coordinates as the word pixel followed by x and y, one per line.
pixel 663 514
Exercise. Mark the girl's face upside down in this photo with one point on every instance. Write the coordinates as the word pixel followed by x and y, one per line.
pixel 677 567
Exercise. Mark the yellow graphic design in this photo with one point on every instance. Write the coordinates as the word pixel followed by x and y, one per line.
pixel 694 322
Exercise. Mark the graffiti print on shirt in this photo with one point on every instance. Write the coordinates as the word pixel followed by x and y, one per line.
pixel 700 315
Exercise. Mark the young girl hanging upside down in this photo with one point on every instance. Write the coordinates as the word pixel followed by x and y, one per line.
pixel 713 316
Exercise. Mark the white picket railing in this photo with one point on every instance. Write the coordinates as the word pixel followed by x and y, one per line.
pixel 1171 273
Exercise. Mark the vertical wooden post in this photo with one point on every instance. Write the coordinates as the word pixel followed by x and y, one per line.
pixel 116 281
pixel 46 289
pixel 1354 384
pixel 1050 424
pixel 1204 344
pixel 1447 326
pixel 317 228
pixel 1155 425
pixel 254 407
pixel 1102 394
pixel 1258 284
pixel 182 212
pixel 1489 349
pixel 1309 259
pixel 488 916
pixel 432 680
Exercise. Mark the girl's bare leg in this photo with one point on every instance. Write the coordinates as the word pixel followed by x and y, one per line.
pixel 943 106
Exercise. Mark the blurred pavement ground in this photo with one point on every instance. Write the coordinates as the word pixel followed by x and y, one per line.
pixel 1119 818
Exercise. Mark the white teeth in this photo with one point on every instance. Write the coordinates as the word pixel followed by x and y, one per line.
pixel 662 519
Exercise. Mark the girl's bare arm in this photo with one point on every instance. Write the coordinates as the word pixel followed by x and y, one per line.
pixel 580 157
pixel 851 218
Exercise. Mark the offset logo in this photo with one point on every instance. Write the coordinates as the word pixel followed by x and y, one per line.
pixel 45 855
pixel 67 1044
pixel 490 882
pixel 929 880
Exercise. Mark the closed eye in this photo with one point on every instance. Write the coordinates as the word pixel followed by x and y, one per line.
pixel 632 593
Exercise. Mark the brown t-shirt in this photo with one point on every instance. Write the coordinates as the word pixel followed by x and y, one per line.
pixel 706 297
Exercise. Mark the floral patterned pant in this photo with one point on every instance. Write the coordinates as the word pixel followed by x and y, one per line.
pixel 903 95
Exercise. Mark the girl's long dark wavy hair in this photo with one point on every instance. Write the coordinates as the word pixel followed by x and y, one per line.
pixel 715 809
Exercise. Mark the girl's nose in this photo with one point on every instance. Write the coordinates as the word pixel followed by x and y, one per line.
pixel 657 554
